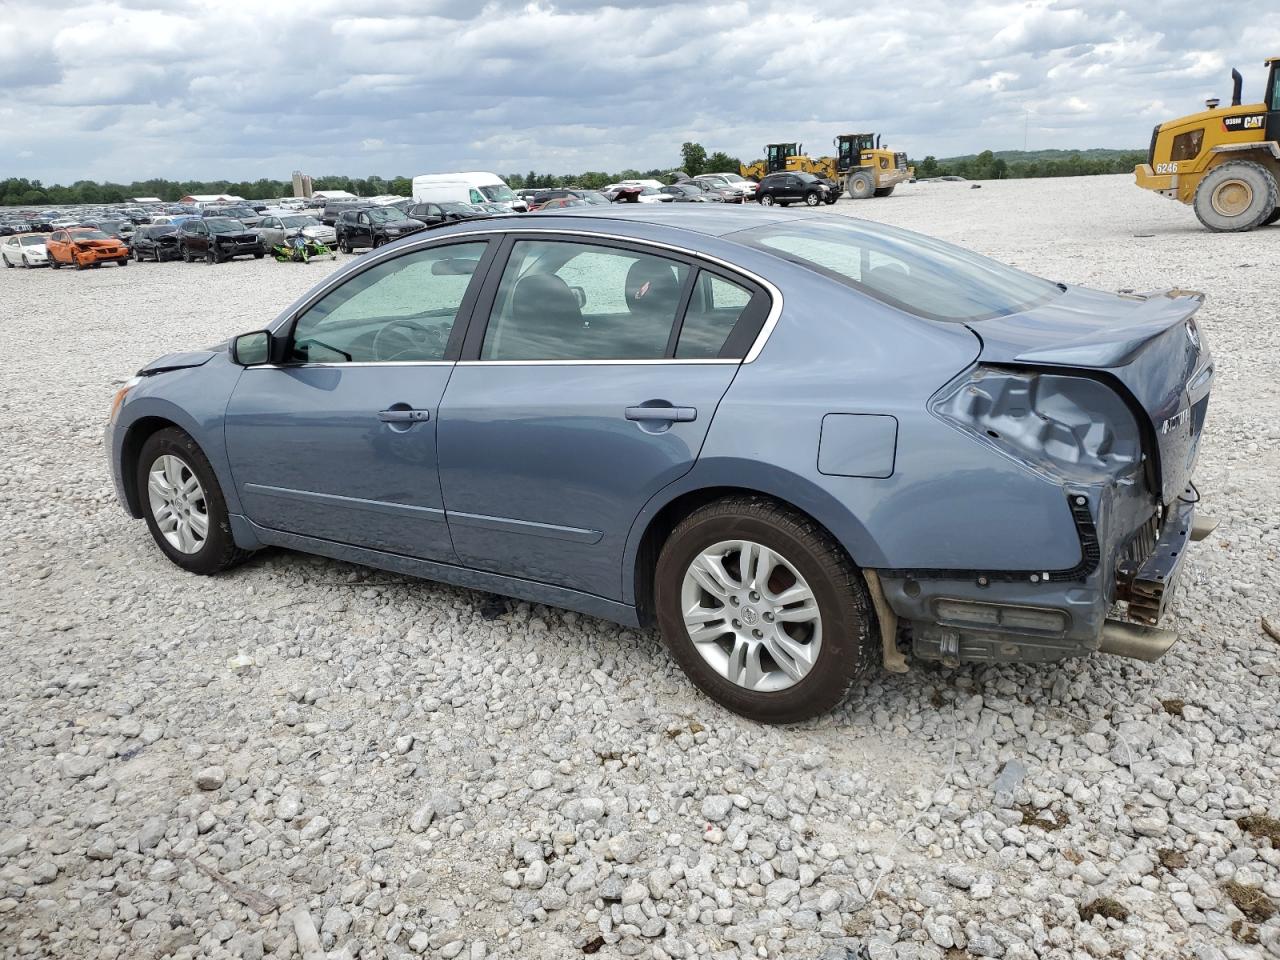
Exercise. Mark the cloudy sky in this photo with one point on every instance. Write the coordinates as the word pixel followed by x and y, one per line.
pixel 203 89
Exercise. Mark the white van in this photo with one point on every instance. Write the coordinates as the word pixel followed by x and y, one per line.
pixel 470 187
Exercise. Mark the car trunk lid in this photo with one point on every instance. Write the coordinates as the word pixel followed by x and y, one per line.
pixel 1148 343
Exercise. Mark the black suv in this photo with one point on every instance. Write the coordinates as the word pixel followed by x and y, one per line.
pixel 372 227
pixel 447 212
pixel 158 241
pixel 333 209
pixel 785 188
pixel 217 239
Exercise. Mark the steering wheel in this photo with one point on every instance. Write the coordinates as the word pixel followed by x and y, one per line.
pixel 400 337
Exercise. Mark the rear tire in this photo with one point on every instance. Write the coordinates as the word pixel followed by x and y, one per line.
pixel 884 191
pixel 837 615
pixel 1236 196
pixel 215 550
pixel 1271 218
pixel 860 186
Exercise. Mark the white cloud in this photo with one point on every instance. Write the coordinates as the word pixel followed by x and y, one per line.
pixel 198 89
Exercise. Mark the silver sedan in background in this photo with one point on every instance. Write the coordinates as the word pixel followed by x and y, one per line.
pixel 274 228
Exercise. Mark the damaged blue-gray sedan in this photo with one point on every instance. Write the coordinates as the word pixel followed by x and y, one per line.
pixel 801 445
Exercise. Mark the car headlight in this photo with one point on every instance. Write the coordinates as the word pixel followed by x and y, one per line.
pixel 123 392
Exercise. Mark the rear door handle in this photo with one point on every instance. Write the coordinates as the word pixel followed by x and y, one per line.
pixel 665 414
pixel 404 416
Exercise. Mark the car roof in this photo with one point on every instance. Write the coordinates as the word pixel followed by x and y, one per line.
pixel 706 219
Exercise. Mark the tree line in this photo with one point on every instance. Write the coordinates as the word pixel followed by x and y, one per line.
pixel 1014 165
pixel 694 159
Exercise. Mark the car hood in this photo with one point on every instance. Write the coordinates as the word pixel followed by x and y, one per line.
pixel 1148 343
pixel 178 361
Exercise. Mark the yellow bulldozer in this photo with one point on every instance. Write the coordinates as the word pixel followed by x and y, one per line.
pixel 1224 162
pixel 861 167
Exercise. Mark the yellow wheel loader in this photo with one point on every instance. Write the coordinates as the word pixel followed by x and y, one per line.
pixel 861 167
pixel 1224 162
pixel 776 157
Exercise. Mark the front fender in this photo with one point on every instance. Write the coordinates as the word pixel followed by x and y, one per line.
pixel 193 399
pixel 754 476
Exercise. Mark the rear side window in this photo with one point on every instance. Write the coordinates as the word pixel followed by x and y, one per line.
pixel 578 301
pixel 714 310
pixel 918 274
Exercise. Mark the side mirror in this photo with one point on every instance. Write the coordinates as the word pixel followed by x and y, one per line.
pixel 251 349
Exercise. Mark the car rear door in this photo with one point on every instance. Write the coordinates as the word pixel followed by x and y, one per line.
pixel 338 442
pixel 586 386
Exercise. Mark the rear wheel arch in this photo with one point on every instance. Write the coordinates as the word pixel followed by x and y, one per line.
pixel 659 522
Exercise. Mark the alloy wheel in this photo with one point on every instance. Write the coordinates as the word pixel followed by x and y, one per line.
pixel 751 615
pixel 178 503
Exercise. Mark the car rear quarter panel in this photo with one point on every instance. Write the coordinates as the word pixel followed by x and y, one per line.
pixel 949 502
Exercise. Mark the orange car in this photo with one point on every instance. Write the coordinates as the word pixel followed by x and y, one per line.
pixel 82 247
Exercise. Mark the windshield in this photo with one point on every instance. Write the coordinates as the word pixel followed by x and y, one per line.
pixel 301 221
pixel 236 212
pixel 89 235
pixel 31 241
pixel 456 207
pixel 386 215
pixel 908 270
pixel 224 225
pixel 594 198
pixel 733 178
pixel 499 192
pixel 159 230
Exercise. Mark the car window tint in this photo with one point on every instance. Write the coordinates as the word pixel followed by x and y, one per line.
pixel 402 309
pixel 576 301
pixel 713 310
pixel 919 274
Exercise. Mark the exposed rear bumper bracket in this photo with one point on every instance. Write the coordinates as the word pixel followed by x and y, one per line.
pixel 1148 588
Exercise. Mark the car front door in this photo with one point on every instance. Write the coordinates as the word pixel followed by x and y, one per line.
pixel 338 441
pixel 575 403
pixel 195 236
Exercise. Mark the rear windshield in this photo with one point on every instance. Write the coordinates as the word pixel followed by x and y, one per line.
pixel 908 270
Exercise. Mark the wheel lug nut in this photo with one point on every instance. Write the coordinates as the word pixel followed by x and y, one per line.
pixel 734 600
pixel 754 596
pixel 757 634
pixel 768 617
pixel 737 625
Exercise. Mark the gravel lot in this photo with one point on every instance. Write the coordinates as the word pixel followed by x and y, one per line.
pixel 216 767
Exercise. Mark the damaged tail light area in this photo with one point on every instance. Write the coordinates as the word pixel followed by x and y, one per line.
pixel 1067 428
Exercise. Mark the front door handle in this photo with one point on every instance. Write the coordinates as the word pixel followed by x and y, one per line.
pixel 664 414
pixel 404 416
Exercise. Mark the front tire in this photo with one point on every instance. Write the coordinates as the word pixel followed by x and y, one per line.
pixel 763 610
pixel 860 186
pixel 1271 218
pixel 186 254
pixel 767 200
pixel 811 199
pixel 884 191
pixel 183 504
pixel 1236 196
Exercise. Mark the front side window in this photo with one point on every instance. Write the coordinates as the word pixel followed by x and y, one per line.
pixel 908 270
pixel 400 310
pixel 577 301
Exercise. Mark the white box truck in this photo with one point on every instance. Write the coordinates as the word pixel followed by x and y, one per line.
pixel 468 187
